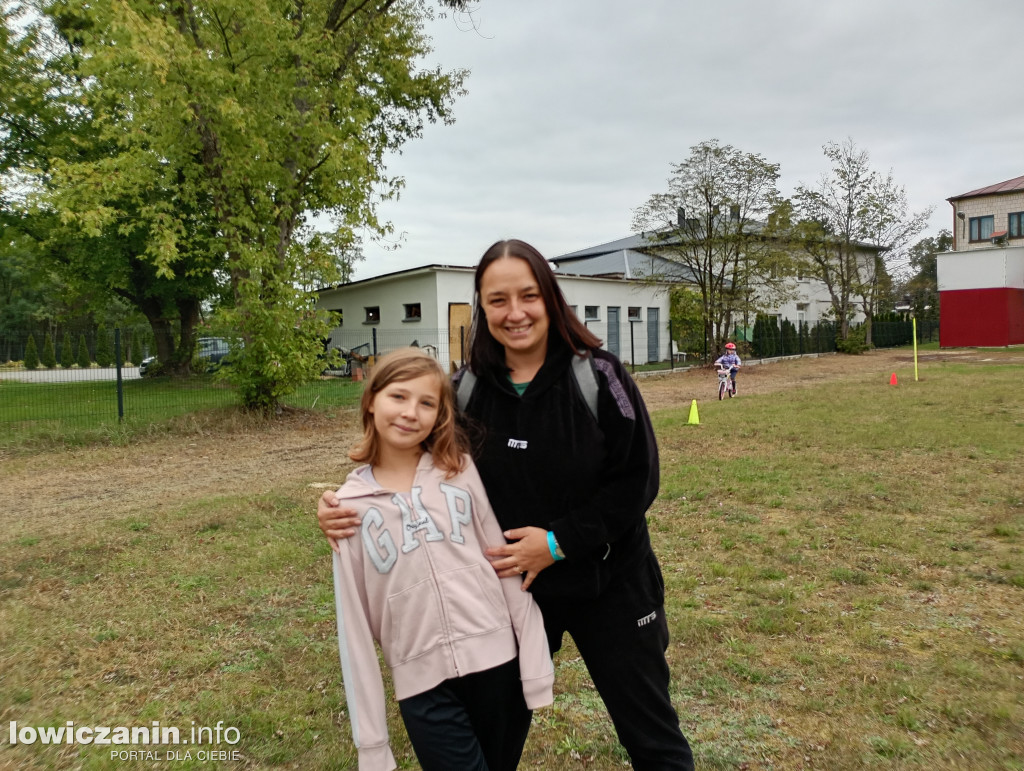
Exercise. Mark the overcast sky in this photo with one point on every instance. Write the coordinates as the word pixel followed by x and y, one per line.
pixel 578 108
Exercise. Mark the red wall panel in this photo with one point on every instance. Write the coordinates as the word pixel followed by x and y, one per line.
pixel 981 317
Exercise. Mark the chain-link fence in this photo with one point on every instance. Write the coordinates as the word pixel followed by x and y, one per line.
pixel 77 384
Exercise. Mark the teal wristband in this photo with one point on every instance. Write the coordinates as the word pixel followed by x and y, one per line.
pixel 556 553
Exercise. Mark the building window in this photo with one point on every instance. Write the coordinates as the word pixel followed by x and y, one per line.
pixel 633 314
pixel 982 227
pixel 590 313
pixel 1015 224
pixel 412 312
pixel 372 315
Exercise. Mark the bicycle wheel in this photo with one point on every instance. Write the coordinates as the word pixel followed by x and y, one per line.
pixel 721 390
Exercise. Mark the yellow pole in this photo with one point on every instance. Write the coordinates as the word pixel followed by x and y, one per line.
pixel 915 348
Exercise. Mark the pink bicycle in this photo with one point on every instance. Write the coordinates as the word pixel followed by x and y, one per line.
pixel 726 382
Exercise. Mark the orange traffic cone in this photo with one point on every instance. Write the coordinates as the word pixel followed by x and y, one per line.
pixel 892 379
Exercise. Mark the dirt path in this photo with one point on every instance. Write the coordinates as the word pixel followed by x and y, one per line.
pixel 56 492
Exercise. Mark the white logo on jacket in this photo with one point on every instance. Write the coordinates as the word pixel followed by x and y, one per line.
pixel 380 544
pixel 517 444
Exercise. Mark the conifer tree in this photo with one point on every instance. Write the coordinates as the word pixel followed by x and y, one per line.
pixel 67 355
pixel 83 353
pixel 104 348
pixel 49 358
pixel 31 353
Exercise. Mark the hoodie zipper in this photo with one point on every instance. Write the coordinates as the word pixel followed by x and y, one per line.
pixel 446 626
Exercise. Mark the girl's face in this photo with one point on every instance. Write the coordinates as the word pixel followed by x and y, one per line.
pixel 511 299
pixel 405 411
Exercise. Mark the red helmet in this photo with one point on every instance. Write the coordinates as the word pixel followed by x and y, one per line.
pixel 730 346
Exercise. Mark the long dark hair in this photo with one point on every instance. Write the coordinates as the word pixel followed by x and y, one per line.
pixel 486 353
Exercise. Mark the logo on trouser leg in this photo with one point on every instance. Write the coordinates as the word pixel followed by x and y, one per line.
pixel 647 619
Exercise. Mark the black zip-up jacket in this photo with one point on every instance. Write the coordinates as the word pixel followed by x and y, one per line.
pixel 545 461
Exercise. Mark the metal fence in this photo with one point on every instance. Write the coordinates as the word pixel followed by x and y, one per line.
pixel 60 393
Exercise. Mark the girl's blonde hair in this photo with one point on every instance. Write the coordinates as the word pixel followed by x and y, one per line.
pixel 447 442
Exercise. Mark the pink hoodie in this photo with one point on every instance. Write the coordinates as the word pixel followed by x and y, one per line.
pixel 416 580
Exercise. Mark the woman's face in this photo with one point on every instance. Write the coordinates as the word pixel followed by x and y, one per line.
pixel 513 305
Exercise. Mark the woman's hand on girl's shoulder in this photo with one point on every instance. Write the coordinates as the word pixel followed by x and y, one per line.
pixel 335 521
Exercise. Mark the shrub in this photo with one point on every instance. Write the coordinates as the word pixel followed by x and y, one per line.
pixel 104 349
pixel 854 343
pixel 67 355
pixel 49 358
pixel 83 353
pixel 789 339
pixel 766 336
pixel 31 354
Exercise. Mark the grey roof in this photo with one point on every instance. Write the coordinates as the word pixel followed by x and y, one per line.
pixel 622 263
pixel 630 242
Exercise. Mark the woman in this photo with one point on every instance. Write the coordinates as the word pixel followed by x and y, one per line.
pixel 571 490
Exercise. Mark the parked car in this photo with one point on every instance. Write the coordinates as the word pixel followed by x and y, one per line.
pixel 211 350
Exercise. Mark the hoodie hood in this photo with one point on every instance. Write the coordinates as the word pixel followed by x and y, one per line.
pixel 358 486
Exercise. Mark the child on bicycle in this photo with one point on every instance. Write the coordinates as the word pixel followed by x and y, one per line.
pixel 730 360
pixel 467 650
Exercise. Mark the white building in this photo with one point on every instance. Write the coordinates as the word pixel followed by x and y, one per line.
pixel 635 257
pixel 432 306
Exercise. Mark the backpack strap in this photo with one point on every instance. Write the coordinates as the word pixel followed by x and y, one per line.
pixel 464 388
pixel 586 379
pixel 582 371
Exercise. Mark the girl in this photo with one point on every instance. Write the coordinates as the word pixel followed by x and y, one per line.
pixel 416 580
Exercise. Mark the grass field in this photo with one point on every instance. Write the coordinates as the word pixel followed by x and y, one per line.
pixel 34 415
pixel 843 562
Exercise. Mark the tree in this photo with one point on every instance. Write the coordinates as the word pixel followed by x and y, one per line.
pixel 50 120
pixel 135 350
pixel 67 353
pixel 31 355
pixel 49 358
pixel 848 221
pixel 712 223
pixel 252 117
pixel 104 349
pixel 686 312
pixel 83 353
pixel 921 289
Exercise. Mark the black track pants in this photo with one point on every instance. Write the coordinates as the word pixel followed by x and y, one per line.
pixel 477 722
pixel 622 636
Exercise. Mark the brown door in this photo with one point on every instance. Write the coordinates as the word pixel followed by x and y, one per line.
pixel 459 317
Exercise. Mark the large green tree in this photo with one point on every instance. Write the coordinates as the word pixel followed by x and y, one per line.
pixel 48 120
pixel 852 223
pixel 230 124
pixel 713 222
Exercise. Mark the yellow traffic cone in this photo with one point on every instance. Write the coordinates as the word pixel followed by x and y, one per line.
pixel 694 419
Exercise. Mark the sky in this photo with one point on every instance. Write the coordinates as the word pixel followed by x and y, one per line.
pixel 577 109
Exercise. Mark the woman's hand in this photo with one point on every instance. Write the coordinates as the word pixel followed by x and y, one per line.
pixel 529 554
pixel 334 521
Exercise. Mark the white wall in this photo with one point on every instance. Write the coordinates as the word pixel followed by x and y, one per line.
pixel 434 288
pixel 995 267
